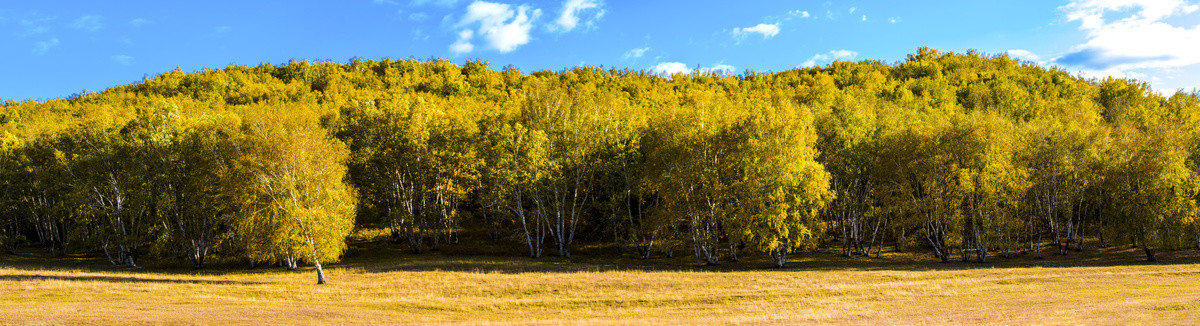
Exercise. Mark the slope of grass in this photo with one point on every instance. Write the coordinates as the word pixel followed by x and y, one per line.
pixel 380 283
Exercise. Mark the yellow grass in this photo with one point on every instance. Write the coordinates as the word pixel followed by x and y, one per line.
pixel 379 284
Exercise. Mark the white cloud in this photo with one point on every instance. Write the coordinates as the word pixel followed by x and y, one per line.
pixel 1090 13
pixel 1132 34
pixel 139 22
pixel 864 18
pixel 799 13
pixel 503 28
pixel 834 55
pixel 569 18
pixel 1023 54
pixel 418 16
pixel 44 46
pixel 720 69
pixel 463 44
pixel 667 69
pixel 852 9
pixel 636 53
pixel 670 68
pixel 767 30
pixel 123 59
pixel 893 20
pixel 88 23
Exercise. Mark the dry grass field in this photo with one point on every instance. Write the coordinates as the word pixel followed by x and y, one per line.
pixel 381 284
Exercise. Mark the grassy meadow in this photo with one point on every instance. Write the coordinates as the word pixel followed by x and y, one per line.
pixel 382 283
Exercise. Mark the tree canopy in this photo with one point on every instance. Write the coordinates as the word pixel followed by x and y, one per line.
pixel 963 154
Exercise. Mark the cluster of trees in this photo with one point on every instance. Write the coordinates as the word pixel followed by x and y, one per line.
pixel 148 176
pixel 962 154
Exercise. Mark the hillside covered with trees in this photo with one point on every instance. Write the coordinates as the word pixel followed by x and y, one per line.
pixel 965 155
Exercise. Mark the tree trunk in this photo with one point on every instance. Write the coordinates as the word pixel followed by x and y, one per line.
pixel 777 257
pixel 433 236
pixel 320 272
pixel 645 250
pixel 616 239
pixel 395 233
pixel 935 233
pixel 104 246
pixel 198 262
pixel 129 256
pixel 1082 235
pixel 1150 253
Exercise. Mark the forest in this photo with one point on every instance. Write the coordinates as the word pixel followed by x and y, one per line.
pixel 967 156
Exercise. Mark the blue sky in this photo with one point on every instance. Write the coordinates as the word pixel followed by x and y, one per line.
pixel 57 48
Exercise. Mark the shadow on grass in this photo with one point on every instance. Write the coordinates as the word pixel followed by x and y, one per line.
pixel 390 258
pixel 481 255
pixel 118 279
pixel 554 265
pixel 484 256
pixel 36 261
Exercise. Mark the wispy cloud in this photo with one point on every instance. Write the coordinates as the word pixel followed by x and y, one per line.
pixel 31 29
pixel 123 59
pixel 89 23
pixel 44 46
pixel 636 53
pixel 31 26
pixel 139 22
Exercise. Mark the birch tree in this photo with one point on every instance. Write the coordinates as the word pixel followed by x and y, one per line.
pixel 779 186
pixel 295 202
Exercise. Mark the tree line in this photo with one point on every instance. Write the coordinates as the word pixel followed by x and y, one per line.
pixel 960 154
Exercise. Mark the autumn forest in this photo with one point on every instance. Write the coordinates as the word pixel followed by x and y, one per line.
pixel 969 157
